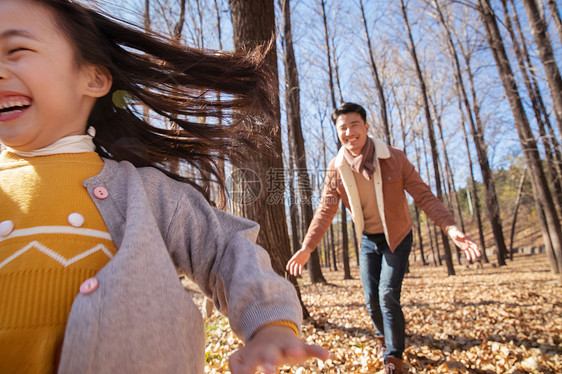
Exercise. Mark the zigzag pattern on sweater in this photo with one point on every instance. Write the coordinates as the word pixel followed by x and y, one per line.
pixel 56 256
pixel 57 230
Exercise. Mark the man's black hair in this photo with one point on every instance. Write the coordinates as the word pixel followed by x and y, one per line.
pixel 346 108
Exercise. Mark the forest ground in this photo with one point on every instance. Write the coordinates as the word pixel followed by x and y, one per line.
pixel 482 320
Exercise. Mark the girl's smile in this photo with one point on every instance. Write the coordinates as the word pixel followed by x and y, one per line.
pixel 45 94
pixel 12 107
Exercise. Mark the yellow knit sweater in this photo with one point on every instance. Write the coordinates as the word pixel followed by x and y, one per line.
pixel 52 238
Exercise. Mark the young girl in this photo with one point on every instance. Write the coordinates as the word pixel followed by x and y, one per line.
pixel 95 215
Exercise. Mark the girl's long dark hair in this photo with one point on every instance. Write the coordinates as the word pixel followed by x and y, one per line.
pixel 178 83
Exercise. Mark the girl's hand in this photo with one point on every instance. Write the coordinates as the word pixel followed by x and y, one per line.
pixel 273 346
pixel 464 242
pixel 296 263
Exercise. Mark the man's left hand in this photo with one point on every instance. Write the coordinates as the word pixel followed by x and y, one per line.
pixel 464 242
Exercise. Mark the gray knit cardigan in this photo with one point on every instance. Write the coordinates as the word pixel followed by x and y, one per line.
pixel 140 319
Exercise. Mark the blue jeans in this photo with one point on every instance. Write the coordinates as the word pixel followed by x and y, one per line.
pixel 382 273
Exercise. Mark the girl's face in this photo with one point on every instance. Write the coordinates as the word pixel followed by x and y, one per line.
pixel 44 94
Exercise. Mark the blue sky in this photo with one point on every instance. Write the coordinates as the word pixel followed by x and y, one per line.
pixel 388 37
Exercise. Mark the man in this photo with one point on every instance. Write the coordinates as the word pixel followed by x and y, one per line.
pixel 371 178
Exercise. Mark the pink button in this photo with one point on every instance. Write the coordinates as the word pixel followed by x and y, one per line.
pixel 89 286
pixel 100 193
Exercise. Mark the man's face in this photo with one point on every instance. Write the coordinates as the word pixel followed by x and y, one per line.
pixel 352 131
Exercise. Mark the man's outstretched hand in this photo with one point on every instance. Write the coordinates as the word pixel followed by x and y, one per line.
pixel 296 263
pixel 464 242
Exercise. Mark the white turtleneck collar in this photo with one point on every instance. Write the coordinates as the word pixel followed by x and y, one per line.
pixel 68 144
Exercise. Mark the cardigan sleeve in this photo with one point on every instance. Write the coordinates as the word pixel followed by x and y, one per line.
pixel 218 251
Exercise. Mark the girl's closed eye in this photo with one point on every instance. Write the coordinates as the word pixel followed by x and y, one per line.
pixel 17 49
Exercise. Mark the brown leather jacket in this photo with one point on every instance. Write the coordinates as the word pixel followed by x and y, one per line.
pixel 394 174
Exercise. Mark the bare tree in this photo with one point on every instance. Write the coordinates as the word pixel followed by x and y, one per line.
pixel 147 15
pixel 293 206
pixel 219 27
pixel 254 24
pixel 430 225
pixel 528 144
pixel 416 209
pixel 448 169
pixel 515 211
pixel 222 171
pixel 546 54
pixel 473 183
pixel 545 113
pixel 431 134
pixel 292 100
pixel 537 104
pixel 556 15
pixel 181 21
pixel 331 247
pixel 345 240
pixel 378 82
pixel 477 130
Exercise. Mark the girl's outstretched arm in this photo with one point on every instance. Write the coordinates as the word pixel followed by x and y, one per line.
pixel 272 346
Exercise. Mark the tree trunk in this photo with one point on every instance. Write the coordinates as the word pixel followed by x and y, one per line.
pixel 546 238
pixel 542 106
pixel 419 233
pixel 254 24
pixel 430 234
pixel 345 244
pixel 477 131
pixel 325 250
pixel 538 179
pixel 430 226
pixel 436 236
pixel 345 240
pixel 432 142
pixel 537 104
pixel 337 71
pixel 333 247
pixel 178 27
pixel 356 245
pixel 378 83
pixel 219 28
pixel 546 54
pixel 449 185
pixel 222 170
pixel 331 244
pixel 449 172
pixel 515 210
pixel 293 207
pixel 491 197
pixel 292 99
pixel 329 55
pixel 147 15
pixel 417 211
pixel 556 15
pixel 473 186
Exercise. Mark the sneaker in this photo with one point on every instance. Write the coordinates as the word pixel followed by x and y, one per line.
pixel 393 365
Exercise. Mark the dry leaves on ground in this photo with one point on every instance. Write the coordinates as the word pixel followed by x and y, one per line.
pixel 489 320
